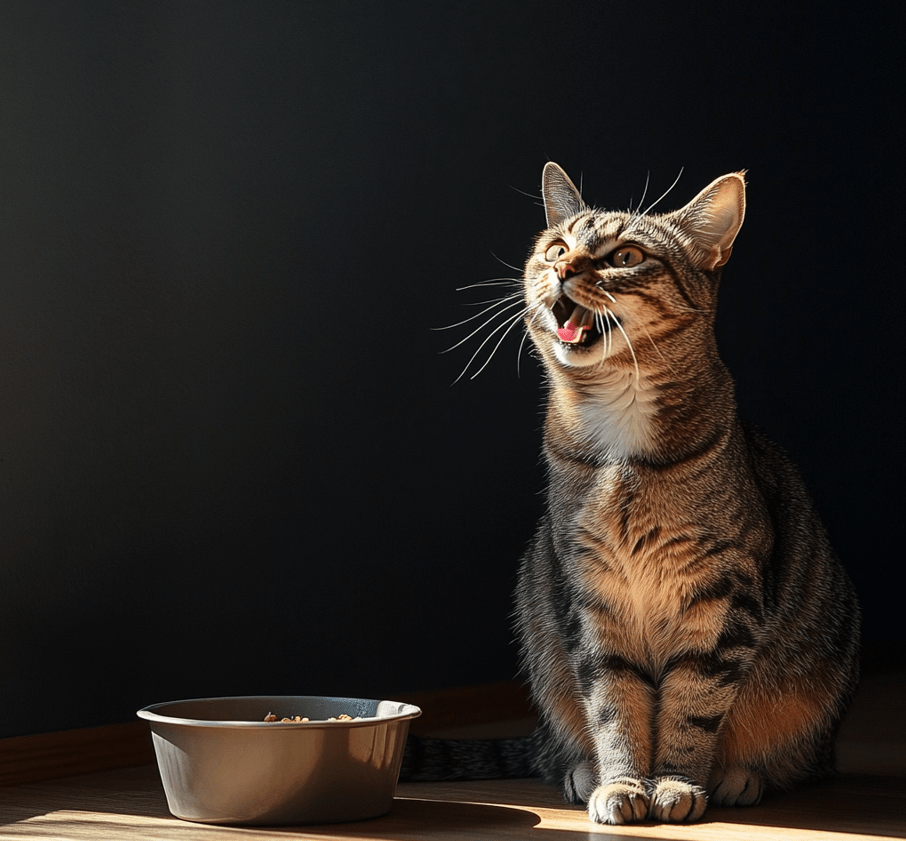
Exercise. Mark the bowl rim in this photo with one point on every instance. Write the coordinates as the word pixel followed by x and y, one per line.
pixel 150 713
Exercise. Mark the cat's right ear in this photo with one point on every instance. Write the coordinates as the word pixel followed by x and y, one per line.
pixel 561 198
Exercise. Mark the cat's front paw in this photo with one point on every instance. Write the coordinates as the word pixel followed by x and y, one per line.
pixel 676 801
pixel 622 801
pixel 736 787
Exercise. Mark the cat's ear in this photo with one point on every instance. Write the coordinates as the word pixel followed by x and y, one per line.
pixel 561 198
pixel 713 219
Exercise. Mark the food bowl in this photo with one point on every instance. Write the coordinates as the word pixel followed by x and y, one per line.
pixel 220 762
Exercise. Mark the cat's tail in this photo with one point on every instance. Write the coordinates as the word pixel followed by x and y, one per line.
pixel 427 759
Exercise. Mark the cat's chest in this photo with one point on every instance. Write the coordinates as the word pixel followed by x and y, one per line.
pixel 637 551
pixel 636 527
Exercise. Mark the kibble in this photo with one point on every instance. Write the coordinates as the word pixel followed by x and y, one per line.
pixel 299 718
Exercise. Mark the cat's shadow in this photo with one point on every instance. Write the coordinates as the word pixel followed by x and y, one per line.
pixel 458 821
pixel 826 806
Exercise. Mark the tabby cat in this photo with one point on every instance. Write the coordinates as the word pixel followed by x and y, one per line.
pixel 687 632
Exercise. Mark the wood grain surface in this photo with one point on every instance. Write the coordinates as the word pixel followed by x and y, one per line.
pixel 867 800
pixel 130 804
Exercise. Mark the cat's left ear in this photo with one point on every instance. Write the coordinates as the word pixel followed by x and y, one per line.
pixel 713 219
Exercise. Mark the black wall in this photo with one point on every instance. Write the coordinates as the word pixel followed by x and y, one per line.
pixel 231 459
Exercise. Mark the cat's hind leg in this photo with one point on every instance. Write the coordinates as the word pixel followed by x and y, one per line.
pixel 779 731
pixel 579 782
pixel 736 786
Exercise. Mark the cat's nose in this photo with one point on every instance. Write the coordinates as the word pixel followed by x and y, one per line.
pixel 564 269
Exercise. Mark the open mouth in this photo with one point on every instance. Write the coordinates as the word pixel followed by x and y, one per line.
pixel 576 325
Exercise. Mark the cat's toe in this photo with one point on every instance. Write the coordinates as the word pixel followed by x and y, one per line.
pixel 736 787
pixel 677 801
pixel 618 803
pixel 579 783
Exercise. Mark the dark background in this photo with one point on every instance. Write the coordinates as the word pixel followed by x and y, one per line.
pixel 231 458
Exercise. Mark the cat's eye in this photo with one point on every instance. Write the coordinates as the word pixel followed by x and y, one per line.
pixel 626 257
pixel 555 252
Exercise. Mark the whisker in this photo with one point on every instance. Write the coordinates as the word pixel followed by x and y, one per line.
pixel 599 323
pixel 635 361
pixel 506 325
pixel 539 307
pixel 690 309
pixel 496 281
pixel 610 317
pixel 634 214
pixel 636 217
pixel 522 192
pixel 658 351
pixel 514 268
pixel 664 195
pixel 519 354
pixel 491 301
pixel 600 286
pixel 481 327
pixel 479 314
pixel 516 320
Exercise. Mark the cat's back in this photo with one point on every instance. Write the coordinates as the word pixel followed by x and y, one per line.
pixel 803 580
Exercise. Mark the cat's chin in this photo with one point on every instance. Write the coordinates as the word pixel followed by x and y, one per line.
pixel 578 356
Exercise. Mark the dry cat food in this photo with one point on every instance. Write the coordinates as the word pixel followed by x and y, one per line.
pixel 272 717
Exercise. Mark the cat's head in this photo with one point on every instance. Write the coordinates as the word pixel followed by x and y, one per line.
pixel 611 288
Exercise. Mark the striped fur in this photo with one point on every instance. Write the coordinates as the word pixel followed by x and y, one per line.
pixel 688 634
pixel 687 631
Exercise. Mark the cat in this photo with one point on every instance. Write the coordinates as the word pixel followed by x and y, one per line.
pixel 688 635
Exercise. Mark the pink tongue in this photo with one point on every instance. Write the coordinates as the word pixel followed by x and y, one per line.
pixel 570 332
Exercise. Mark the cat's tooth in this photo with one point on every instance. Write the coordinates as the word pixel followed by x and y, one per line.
pixel 580 317
pixel 578 322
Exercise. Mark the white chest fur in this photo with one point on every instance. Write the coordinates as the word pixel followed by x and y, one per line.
pixel 617 416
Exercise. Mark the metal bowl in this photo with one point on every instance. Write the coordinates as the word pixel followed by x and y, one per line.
pixel 220 762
